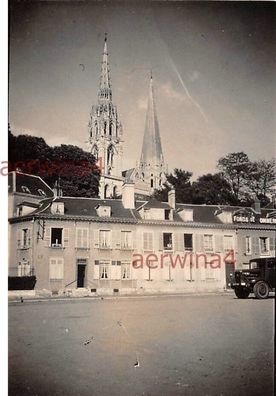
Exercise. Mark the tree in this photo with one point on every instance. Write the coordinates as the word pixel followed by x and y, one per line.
pixel 76 168
pixel 261 179
pixel 180 181
pixel 213 190
pixel 235 168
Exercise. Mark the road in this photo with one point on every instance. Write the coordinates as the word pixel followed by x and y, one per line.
pixel 184 345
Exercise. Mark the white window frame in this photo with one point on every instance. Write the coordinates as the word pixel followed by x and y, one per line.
pixel 56 268
pixel 167 248
pixel 185 248
pixel 104 270
pixel 82 242
pixel 56 245
pixel 126 242
pixel 148 241
pixel 226 245
pixel 125 270
pixel 105 243
pixel 267 251
pixel 208 242
pixel 248 245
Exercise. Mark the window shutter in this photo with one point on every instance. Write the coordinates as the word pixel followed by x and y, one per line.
pixel 179 242
pixel 271 244
pixel 78 237
pixel 52 269
pixel 133 236
pixel 244 245
pixel 60 269
pixel 161 245
pixel 85 238
pixel 219 244
pixel 116 239
pixel 97 269
pixel 255 246
pixel 65 237
pixel 19 239
pixel 47 236
pixel 96 238
pixel 29 236
pixel 199 243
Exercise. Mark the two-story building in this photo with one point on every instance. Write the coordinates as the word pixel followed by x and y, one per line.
pixel 123 245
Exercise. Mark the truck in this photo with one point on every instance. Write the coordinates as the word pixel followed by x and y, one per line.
pixel 259 278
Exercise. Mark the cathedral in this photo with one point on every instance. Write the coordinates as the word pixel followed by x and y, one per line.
pixel 105 142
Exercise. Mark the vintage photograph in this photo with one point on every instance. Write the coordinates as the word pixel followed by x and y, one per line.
pixel 141 198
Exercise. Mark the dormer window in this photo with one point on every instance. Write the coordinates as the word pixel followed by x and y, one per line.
pixel 103 210
pixel 57 208
pixel 168 214
pixel 25 189
pixel 187 214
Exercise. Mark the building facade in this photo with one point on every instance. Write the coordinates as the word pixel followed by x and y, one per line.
pixel 106 245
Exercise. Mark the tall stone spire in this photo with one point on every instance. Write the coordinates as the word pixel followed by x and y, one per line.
pixel 105 92
pixel 105 134
pixel 151 149
pixel 152 167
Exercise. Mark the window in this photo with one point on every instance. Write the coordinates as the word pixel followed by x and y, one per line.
pixel 188 242
pixel 264 245
pixel 167 214
pixel 56 237
pixel 24 269
pixel 126 239
pixel 105 239
pixel 56 269
pixel 23 238
pixel 228 242
pixel 148 241
pixel 125 271
pixel 208 242
pixel 104 270
pixel 82 238
pixel 167 241
pixel 248 245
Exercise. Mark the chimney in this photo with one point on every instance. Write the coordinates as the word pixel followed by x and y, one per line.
pixel 171 198
pixel 257 205
pixel 128 195
pixel 57 189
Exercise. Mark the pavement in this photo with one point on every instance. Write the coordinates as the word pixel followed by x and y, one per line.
pixel 153 345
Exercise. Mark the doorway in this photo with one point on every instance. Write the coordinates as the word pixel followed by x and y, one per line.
pixel 81 269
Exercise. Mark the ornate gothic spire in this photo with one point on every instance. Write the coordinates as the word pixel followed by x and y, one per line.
pixel 152 150
pixel 105 92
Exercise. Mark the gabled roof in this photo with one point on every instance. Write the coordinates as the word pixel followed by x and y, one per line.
pixel 28 184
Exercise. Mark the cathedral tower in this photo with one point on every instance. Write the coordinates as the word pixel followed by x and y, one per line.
pixel 151 168
pixel 105 135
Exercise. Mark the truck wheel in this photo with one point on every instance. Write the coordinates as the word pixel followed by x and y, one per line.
pixel 242 292
pixel 261 290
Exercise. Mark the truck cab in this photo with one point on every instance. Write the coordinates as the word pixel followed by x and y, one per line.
pixel 258 279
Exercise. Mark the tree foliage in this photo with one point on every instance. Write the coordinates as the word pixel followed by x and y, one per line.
pixel 75 168
pixel 180 181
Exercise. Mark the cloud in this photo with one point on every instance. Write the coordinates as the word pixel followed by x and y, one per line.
pixel 194 75
pixel 142 103
pixel 168 91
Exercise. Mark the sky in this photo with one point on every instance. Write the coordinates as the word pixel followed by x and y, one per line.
pixel 213 68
